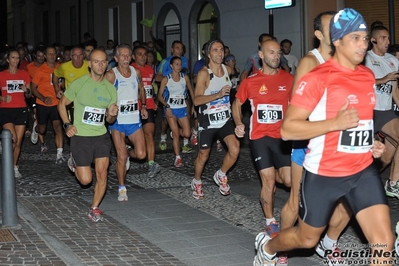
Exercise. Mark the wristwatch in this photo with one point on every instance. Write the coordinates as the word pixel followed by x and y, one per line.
pixel 66 125
pixel 167 106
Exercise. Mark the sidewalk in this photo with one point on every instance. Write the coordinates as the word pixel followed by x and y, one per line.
pixel 161 224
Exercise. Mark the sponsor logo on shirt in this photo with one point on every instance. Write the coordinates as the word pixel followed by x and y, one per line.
pixel 263 89
pixel 281 88
pixel 301 87
pixel 353 99
pixel 375 62
pixel 372 97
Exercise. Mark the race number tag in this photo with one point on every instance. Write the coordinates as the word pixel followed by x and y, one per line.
pixel 269 113
pixel 14 86
pixel 357 140
pixel 176 101
pixel 127 107
pixel 219 115
pixel 148 91
pixel 128 112
pixel 93 116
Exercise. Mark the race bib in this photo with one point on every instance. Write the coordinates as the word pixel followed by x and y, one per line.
pixel 148 91
pixel 219 115
pixel 383 88
pixel 14 86
pixel 357 140
pixel 93 116
pixel 176 101
pixel 128 112
pixel 269 113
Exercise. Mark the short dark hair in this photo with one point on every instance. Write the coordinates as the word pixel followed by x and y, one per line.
pixel 376 29
pixel 139 47
pixel 176 42
pixel 284 41
pixel 317 20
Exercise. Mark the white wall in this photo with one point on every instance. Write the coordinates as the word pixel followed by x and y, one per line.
pixel 242 22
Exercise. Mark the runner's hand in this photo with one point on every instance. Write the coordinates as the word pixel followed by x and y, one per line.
pixel 346 118
pixel 240 130
pixel 378 149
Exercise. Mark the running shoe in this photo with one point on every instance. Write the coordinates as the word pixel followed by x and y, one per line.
pixel 178 162
pixel 397 239
pixel 261 258
pixel 127 164
pixel 71 164
pixel 60 159
pixel 34 136
pixel 219 146
pixel 171 135
pixel 273 229
pixel 43 148
pixel 197 190
pixel 221 181
pixel 27 133
pixel 122 194
pixel 162 144
pixel 194 138
pixel 155 168
pixel 392 191
pixel 282 259
pixel 17 174
pixel 330 259
pixel 95 214
pixel 187 149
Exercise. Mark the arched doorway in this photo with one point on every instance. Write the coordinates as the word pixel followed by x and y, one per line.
pixel 204 25
pixel 168 25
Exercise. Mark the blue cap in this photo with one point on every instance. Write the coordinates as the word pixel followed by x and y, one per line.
pixel 346 21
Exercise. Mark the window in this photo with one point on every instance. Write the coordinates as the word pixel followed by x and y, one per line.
pixel 171 29
pixel 137 15
pixel 207 26
pixel 113 28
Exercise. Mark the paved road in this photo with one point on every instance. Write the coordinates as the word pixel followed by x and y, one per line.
pixel 161 224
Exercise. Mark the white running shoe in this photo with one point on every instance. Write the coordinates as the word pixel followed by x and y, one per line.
pixel 34 136
pixel 221 181
pixel 17 174
pixel 122 194
pixel 261 258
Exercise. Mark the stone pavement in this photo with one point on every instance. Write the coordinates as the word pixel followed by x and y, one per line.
pixel 161 224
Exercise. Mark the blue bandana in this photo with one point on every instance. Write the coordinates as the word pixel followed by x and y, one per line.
pixel 346 21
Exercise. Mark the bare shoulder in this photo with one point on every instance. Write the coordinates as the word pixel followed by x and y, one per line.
pixel 110 75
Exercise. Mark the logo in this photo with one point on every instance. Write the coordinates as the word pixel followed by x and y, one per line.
pixel 375 62
pixel 372 97
pixel 258 159
pixel 204 145
pixel 353 99
pixel 281 88
pixel 362 26
pixel 301 88
pixel 263 89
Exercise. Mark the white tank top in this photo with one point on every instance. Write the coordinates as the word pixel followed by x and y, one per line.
pixel 215 113
pixel 317 54
pixel 128 95
pixel 175 92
